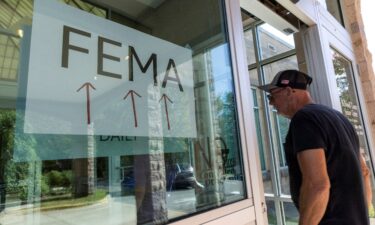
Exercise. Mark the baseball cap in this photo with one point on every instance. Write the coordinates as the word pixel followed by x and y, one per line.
pixel 288 78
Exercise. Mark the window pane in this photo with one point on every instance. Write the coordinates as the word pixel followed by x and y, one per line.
pixel 250 47
pixel 9 47
pixel 261 124
pixel 291 213
pixel 270 70
pixel 273 42
pixel 334 7
pixel 271 212
pixel 347 93
pixel 263 154
pixel 123 113
pixel 254 78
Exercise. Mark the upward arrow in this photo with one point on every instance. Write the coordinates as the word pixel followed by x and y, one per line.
pixel 165 97
pixel 132 92
pixel 87 85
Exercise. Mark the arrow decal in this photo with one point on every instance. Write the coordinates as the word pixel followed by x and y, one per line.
pixel 87 85
pixel 165 97
pixel 132 92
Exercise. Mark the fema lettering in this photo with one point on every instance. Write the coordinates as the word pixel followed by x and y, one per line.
pixel 132 54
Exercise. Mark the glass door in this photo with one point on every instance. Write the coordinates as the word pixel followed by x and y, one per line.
pixel 350 107
pixel 269 51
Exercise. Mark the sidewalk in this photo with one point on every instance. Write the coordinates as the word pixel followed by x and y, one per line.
pixel 111 211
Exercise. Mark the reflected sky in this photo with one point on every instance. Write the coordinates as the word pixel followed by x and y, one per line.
pixel 221 68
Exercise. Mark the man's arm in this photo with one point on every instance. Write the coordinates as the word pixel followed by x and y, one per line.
pixel 314 193
pixel 366 181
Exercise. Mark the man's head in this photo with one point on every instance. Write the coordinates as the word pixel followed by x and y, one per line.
pixel 288 91
pixel 288 78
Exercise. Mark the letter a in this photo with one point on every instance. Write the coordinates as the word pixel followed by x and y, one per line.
pixel 177 79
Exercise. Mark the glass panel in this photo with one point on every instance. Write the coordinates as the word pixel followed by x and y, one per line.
pixel 259 132
pixel 270 70
pixel 334 8
pixel 9 46
pixel 271 212
pixel 87 7
pixel 347 93
pixel 250 47
pixel 108 124
pixel 273 42
pixel 291 214
pixel 261 125
pixel 280 124
pixel 263 154
pixel 281 130
pixel 254 78
pixel 350 106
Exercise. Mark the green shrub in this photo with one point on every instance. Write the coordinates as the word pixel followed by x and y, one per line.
pixel 67 178
pixel 55 178
pixel 59 179
pixel 44 186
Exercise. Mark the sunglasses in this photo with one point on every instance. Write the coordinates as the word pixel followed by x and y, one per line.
pixel 270 96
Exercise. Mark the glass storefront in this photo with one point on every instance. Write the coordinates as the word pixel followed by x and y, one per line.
pixel 116 112
pixel 125 112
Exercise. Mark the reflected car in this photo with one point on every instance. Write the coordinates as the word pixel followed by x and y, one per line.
pixel 178 176
pixel 128 182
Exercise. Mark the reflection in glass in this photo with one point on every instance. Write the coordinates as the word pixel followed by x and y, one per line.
pixel 9 57
pixel 334 8
pixel 254 79
pixel 273 42
pixel 291 213
pixel 123 179
pixel 281 130
pixel 270 70
pixel 347 93
pixel 263 154
pixel 271 212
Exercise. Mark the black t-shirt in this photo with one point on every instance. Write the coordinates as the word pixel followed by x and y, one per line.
pixel 318 126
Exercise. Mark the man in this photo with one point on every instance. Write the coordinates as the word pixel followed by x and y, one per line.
pixel 326 170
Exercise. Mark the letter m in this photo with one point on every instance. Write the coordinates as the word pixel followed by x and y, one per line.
pixel 152 59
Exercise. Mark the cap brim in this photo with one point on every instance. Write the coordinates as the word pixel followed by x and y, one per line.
pixel 267 87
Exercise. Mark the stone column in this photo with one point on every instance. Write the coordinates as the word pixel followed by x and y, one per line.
pixel 150 190
pixel 149 169
pixel 355 28
pixel 84 169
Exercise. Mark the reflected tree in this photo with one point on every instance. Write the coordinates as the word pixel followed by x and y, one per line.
pixel 227 121
pixel 14 176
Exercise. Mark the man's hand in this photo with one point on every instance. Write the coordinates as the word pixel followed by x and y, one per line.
pixel 366 182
